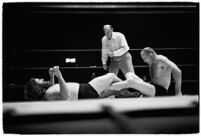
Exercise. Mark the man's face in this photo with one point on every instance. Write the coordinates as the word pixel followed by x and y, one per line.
pixel 146 58
pixel 39 81
pixel 108 33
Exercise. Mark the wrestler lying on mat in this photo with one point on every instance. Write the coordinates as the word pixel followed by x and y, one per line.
pixel 99 87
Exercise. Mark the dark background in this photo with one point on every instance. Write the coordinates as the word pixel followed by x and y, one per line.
pixel 37 36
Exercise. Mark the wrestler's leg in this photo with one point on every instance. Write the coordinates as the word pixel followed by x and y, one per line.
pixel 131 75
pixel 132 81
pixel 126 65
pixel 101 83
pixel 143 87
pixel 114 89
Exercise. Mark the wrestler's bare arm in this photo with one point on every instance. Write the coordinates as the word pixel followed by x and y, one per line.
pixel 64 91
pixel 177 76
pixel 176 73
pixel 51 73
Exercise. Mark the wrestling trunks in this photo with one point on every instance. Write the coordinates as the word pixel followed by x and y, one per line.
pixel 160 91
pixel 86 91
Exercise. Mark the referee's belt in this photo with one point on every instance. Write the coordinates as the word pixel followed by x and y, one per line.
pixel 119 58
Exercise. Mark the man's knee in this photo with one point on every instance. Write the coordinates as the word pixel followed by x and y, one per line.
pixel 110 77
pixel 131 81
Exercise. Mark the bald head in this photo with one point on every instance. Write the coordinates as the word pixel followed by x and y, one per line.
pixel 108 31
pixel 148 55
pixel 108 27
pixel 148 51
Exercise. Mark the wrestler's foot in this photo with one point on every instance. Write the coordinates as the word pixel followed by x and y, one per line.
pixel 56 71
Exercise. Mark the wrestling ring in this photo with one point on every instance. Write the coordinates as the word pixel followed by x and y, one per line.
pixel 37 36
pixel 170 114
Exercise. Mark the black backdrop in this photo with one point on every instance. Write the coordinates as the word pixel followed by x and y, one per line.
pixel 32 26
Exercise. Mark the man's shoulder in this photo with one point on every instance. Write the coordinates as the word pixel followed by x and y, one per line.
pixel 118 33
pixel 103 38
pixel 162 59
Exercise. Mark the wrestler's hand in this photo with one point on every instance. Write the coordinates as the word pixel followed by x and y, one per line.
pixel 111 54
pixel 51 72
pixel 56 71
pixel 105 66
